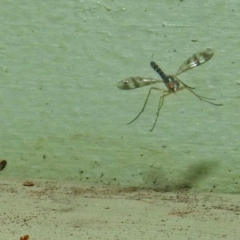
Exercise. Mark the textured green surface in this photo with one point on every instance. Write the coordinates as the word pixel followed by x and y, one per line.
pixel 62 116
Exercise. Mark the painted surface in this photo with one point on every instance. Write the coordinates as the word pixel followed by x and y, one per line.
pixel 63 118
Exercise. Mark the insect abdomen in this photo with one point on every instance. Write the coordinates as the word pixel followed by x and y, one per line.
pixel 158 70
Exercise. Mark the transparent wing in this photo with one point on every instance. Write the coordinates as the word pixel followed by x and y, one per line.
pixel 136 82
pixel 196 60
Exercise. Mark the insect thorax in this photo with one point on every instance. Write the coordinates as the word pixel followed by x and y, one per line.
pixel 171 83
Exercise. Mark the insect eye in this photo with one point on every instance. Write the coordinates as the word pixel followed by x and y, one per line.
pixel 171 85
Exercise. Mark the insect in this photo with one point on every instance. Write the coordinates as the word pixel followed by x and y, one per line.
pixel 172 82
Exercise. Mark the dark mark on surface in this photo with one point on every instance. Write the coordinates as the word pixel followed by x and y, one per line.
pixel 28 184
pixel 3 164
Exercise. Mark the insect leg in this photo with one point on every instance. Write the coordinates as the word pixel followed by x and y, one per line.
pixel 199 96
pixel 184 84
pixel 160 104
pixel 145 103
pixel 204 98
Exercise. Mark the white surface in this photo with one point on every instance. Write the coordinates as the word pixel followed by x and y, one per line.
pixel 58 210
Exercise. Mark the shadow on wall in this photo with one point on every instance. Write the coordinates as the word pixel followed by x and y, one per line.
pixel 156 179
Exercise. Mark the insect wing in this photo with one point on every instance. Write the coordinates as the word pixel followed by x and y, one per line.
pixel 196 60
pixel 136 82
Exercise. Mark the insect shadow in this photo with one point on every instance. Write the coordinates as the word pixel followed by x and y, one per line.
pixel 156 179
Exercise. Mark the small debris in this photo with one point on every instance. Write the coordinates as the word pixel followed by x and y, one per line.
pixel 28 184
pixel 26 237
pixel 3 164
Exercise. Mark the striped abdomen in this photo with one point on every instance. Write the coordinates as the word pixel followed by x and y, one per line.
pixel 158 70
